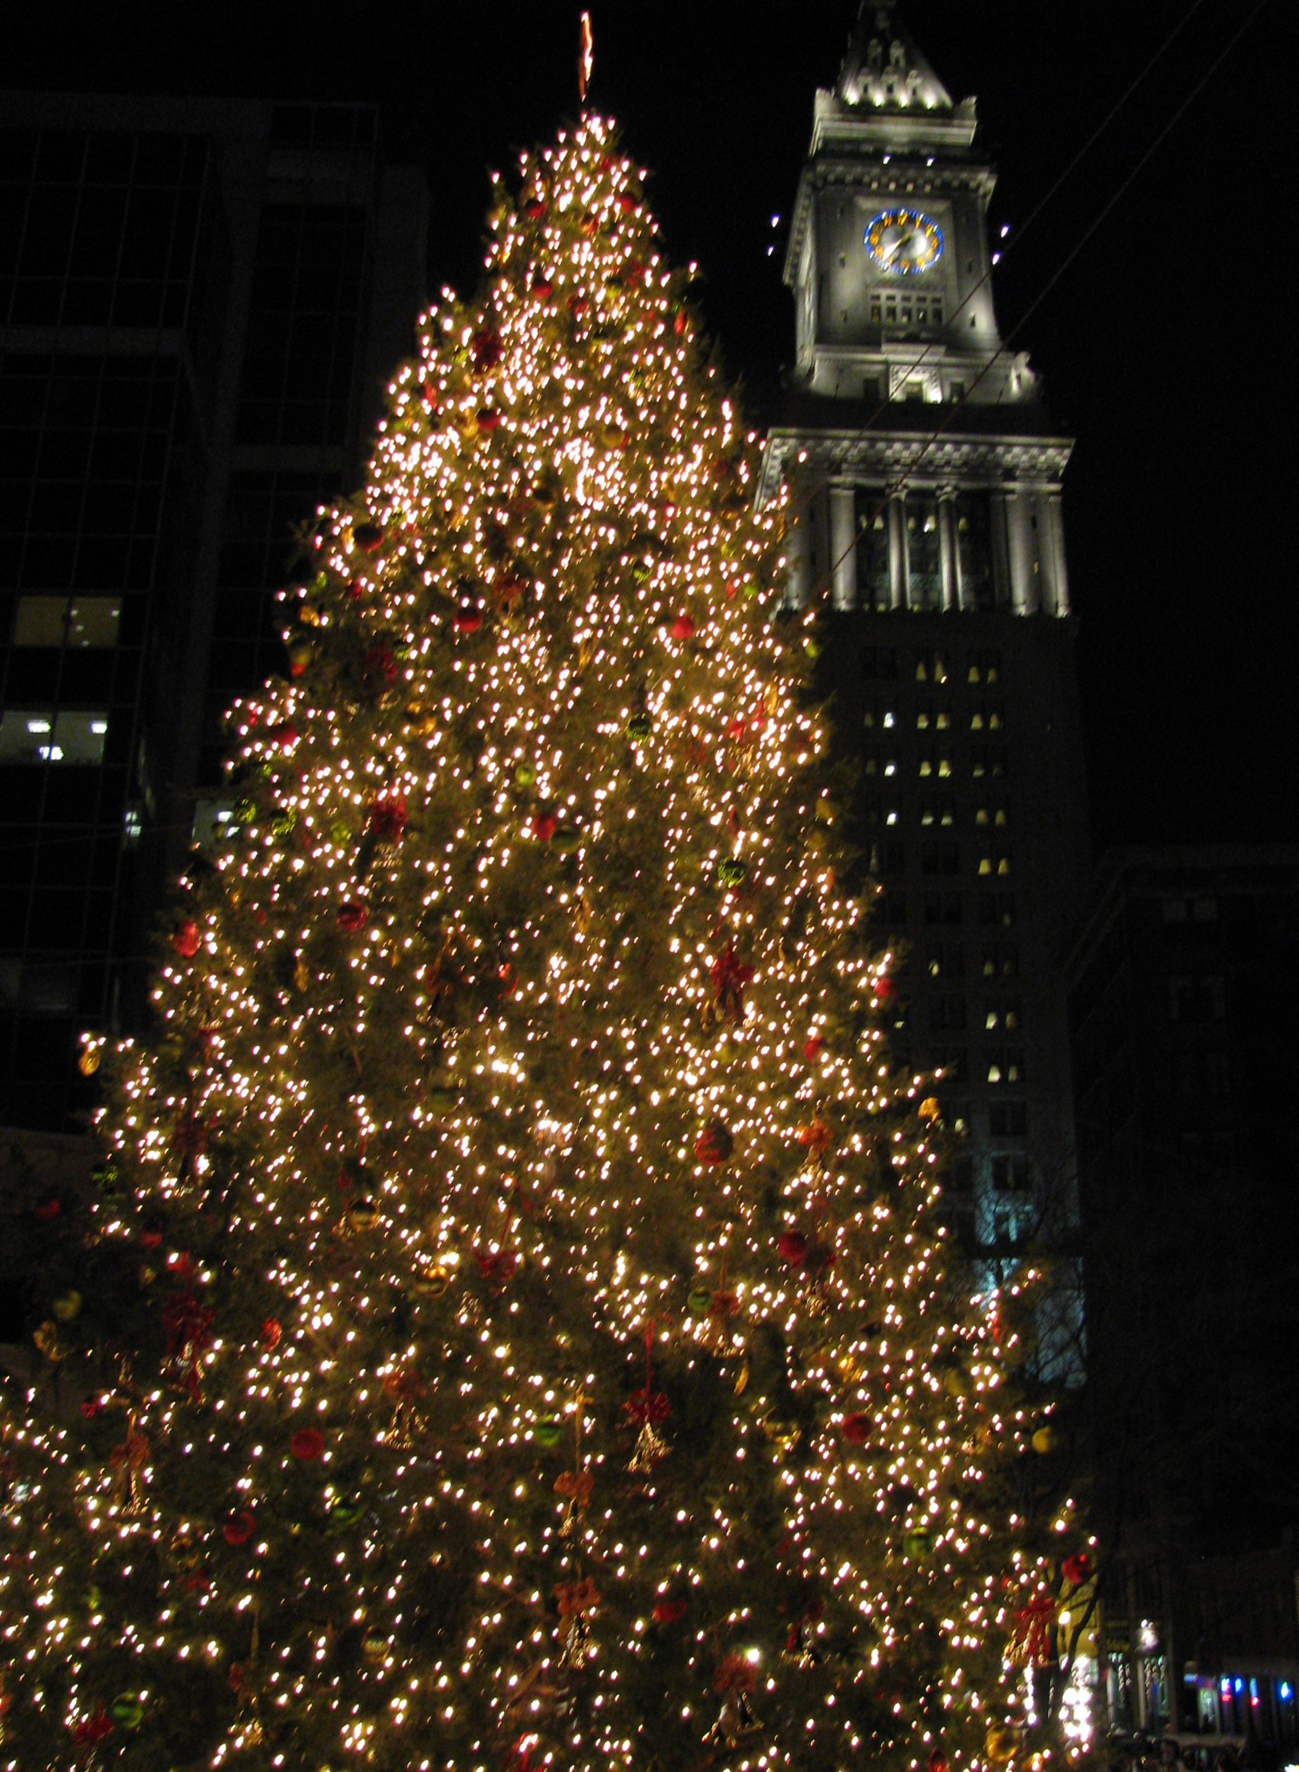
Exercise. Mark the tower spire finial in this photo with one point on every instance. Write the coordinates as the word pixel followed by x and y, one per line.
pixel 585 56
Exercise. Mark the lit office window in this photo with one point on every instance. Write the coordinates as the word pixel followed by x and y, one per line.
pixel 67 621
pixel 39 735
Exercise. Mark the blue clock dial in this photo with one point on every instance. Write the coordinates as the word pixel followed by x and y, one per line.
pixel 903 242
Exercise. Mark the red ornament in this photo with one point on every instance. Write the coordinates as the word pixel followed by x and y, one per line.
pixel 380 666
pixel 284 735
pixel 468 617
pixel 238 1529
pixel 886 992
pixel 488 419
pixel 670 1611
pixel 544 826
pixel 428 393
pixel 731 977
pixel 388 818
pixel 368 536
pixel 352 917
pixel 812 1047
pixel 714 1144
pixel 486 348
pixel 647 1406
pixel 542 287
pixel 683 627
pixel 1076 1568
pixel 48 1210
pixel 679 323
pixel 151 1239
pixel 270 1334
pixel 497 1266
pixel 856 1428
pixel 91 1730
pixel 793 1246
pixel 815 1139
pixel 534 208
pixel 187 939
pixel 307 1444
pixel 91 1407
pixel 938 1761
pixel 627 204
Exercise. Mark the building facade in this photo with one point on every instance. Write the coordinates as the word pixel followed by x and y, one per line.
pixel 1182 984
pixel 200 303
pixel 924 480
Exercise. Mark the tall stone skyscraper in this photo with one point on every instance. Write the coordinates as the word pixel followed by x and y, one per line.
pixel 925 477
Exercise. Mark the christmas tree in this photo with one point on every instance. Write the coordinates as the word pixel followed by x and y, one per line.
pixel 514 1328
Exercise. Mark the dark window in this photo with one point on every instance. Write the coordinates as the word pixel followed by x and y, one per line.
pixel 997 908
pixel 1008 1119
pixel 879 664
pixel 946 960
pixel 974 554
pixel 942 910
pixel 873 579
pixel 940 858
pixel 924 556
pixel 946 1011
pixel 1011 1174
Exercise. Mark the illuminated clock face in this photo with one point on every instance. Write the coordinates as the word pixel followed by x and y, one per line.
pixel 903 241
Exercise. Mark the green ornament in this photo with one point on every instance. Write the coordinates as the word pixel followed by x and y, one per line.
pixel 525 775
pixel 566 839
pixel 918 1543
pixel 700 1300
pixel 812 647
pixel 732 873
pixel 282 824
pixel 548 1431
pixel 299 651
pixel 340 832
pixel 639 728
pixel 344 1512
pixel 245 810
pixel 441 1099
pixel 108 1179
pixel 127 1710
pixel 92 1599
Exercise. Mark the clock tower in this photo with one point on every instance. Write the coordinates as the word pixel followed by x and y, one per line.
pixel 926 553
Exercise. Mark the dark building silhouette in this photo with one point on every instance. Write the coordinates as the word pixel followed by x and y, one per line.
pixel 1182 990
pixel 924 478
pixel 200 302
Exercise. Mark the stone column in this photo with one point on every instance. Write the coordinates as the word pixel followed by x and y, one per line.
pixel 798 559
pixel 1023 592
pixel 948 554
pixel 1053 553
pixel 997 526
pixel 899 574
pixel 843 545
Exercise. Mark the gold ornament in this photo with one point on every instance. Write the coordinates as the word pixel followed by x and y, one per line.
pixel 1044 1441
pixel 1001 1744
pixel 88 1062
pixel 301 976
pixel 46 1337
pixel 929 1108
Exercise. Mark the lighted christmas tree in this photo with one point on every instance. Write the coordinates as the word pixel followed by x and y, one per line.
pixel 533 1342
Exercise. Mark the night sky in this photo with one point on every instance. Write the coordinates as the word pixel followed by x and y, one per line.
pixel 1161 346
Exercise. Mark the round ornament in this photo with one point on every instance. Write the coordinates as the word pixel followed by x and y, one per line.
pixel 639 728
pixel 239 1528
pixel 793 1247
pixel 345 1511
pixel 187 939
pixel 732 872
pixel 1044 1441
pixel 363 1215
pixel 918 1543
pixel 441 1098
pixel 856 1428
pixel 700 1300
pixel 431 1280
pixel 525 775
pixel 548 1431
pixel 127 1710
pixel 307 1444
pixel 683 627
pixel 299 655
pixel 1001 1744
pixel 67 1305
pixel 352 917
pixel 88 1061
pixel 1076 1568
